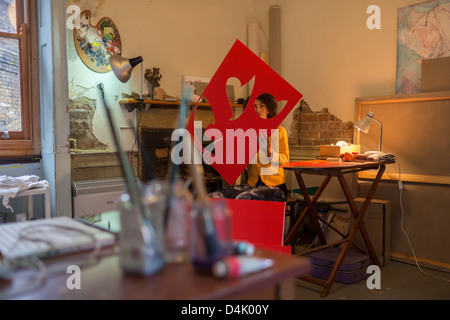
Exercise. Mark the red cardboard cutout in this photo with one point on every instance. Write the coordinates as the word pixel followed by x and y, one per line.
pixel 243 64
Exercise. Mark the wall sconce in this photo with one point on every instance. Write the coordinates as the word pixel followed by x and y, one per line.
pixel 364 125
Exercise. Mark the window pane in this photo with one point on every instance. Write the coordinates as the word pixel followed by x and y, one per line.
pixel 10 108
pixel 8 16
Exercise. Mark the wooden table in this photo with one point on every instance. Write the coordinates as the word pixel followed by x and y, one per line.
pixel 330 170
pixel 105 280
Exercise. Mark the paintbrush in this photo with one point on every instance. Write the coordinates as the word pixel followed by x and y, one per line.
pixel 175 166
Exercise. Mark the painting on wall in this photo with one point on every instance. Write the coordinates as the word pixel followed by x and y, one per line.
pixel 197 85
pixel 95 44
pixel 423 33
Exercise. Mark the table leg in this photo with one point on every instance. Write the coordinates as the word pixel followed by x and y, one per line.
pixel 30 207
pixel 48 213
pixel 358 224
pixel 336 269
pixel 309 208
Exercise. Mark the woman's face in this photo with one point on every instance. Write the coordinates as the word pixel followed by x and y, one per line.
pixel 261 109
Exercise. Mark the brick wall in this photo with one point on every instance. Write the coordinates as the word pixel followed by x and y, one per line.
pixel 81 112
pixel 314 128
pixel 10 110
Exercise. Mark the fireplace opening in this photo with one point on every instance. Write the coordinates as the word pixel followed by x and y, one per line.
pixel 157 145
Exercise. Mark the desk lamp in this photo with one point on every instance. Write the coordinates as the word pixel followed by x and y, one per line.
pixel 122 68
pixel 364 125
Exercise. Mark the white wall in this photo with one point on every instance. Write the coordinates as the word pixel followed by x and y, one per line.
pixel 331 56
pixel 328 53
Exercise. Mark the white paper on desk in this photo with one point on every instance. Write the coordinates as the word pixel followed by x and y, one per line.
pixel 11 186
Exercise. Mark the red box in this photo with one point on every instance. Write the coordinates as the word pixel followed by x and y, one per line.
pixel 258 222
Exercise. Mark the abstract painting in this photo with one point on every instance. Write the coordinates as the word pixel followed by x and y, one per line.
pixel 423 33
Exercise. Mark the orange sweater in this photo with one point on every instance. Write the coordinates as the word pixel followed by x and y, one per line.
pixel 271 175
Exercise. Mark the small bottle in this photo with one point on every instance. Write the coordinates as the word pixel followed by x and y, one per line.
pixel 177 226
pixel 238 266
pixel 221 216
pixel 210 234
pixel 207 244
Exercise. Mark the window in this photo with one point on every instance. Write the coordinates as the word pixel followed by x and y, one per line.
pixel 19 108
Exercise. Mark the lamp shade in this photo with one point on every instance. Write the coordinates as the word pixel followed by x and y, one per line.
pixel 122 67
pixel 364 123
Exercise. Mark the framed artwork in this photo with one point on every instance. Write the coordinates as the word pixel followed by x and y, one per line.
pixel 95 44
pixel 423 32
pixel 197 85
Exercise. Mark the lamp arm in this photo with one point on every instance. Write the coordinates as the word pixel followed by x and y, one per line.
pixel 142 74
pixel 381 133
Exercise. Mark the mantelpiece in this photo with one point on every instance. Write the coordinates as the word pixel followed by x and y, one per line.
pixel 131 104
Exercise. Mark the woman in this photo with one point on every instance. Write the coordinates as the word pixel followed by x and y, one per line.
pixel 264 181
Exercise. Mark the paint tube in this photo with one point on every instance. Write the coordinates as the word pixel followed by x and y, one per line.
pixel 243 248
pixel 238 266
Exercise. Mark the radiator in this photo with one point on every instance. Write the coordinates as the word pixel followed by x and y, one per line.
pixel 95 196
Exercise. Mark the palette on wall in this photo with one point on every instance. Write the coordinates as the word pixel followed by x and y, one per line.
pixel 423 33
pixel 95 44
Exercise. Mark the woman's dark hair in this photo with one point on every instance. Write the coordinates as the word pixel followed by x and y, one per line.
pixel 269 101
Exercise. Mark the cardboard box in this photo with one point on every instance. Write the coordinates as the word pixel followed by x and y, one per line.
pixel 377 224
pixel 336 151
pixel 435 75
pixel 158 93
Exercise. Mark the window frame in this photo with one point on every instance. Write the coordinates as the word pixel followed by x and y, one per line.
pixel 25 143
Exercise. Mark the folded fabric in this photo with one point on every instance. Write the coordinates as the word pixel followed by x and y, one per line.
pixel 11 186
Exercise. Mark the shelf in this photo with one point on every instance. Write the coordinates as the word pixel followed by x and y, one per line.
pixel 131 104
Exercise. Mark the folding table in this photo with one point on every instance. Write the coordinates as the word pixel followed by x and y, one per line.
pixel 29 193
pixel 37 191
pixel 329 170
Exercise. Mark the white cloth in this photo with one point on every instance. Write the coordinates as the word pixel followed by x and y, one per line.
pixel 11 186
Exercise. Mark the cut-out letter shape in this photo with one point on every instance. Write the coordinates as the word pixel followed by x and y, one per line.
pixel 243 64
